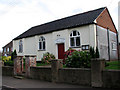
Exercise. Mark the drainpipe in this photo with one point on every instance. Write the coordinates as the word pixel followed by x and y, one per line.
pixel 96 36
pixel 108 44
pixel 117 46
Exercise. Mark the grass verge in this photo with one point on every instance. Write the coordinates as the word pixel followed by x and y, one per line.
pixel 113 65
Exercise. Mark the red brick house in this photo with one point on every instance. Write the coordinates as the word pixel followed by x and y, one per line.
pixel 7 49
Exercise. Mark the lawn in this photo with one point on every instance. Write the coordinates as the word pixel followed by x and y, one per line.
pixel 42 64
pixel 113 65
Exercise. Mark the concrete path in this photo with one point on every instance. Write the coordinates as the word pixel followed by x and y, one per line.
pixel 30 83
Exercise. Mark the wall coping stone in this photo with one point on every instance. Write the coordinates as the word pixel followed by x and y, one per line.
pixel 40 67
pixel 111 70
pixel 77 68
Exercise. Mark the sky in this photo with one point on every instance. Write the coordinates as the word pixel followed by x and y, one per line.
pixel 17 16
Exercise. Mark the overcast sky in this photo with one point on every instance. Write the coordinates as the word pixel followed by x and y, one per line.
pixel 17 16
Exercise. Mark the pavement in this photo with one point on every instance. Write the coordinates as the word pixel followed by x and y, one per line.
pixel 14 83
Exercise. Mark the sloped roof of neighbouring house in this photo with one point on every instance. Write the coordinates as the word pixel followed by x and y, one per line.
pixel 68 22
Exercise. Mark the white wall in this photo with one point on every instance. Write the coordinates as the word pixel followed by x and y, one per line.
pixel 16 47
pixel 87 37
pixel 29 46
pixel 119 21
pixel 103 43
pixel 113 39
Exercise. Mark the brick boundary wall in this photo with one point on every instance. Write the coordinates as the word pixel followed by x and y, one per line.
pixel 7 71
pixel 97 76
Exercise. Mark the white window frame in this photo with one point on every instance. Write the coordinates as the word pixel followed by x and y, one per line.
pixel 74 38
pixel 114 48
pixel 20 46
pixel 4 49
pixel 8 49
pixel 40 40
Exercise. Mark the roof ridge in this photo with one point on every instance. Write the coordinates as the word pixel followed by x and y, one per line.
pixel 68 17
pixel 76 20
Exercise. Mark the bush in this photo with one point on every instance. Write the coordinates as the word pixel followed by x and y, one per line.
pixel 68 53
pixel 13 55
pixel 9 63
pixel 97 55
pixel 78 59
pixel 8 58
pixel 93 53
pixel 47 57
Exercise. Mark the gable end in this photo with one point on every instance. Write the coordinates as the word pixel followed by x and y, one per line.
pixel 104 20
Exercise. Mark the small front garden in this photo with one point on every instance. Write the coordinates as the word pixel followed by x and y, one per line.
pixel 79 59
pixel 46 59
pixel 9 60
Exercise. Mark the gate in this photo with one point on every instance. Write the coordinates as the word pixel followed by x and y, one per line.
pixel 18 65
pixel 19 68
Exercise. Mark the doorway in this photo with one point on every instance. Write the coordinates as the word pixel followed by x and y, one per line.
pixel 61 51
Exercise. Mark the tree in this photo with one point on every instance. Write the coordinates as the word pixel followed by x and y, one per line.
pixel 0 55
pixel 13 55
pixel 93 53
pixel 97 55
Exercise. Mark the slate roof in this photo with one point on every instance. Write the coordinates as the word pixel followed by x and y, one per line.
pixel 64 23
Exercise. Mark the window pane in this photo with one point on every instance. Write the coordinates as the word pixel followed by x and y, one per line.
pixel 83 47
pixel 40 47
pixel 72 42
pixel 78 33
pixel 43 45
pixel 21 48
pixel 71 34
pixel 8 50
pixel 87 47
pixel 74 33
pixel 77 41
pixel 114 46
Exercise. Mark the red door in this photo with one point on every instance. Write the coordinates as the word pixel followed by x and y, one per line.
pixel 61 51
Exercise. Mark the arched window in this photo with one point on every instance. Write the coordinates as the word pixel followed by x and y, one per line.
pixel 20 46
pixel 74 39
pixel 41 43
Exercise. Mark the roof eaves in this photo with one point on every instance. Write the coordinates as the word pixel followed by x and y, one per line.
pixel 55 30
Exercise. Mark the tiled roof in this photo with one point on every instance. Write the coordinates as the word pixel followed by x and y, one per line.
pixel 64 23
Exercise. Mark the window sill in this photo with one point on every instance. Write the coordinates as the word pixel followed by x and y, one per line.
pixel 76 47
pixel 20 52
pixel 42 50
pixel 114 49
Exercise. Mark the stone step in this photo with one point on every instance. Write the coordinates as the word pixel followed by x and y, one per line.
pixel 19 77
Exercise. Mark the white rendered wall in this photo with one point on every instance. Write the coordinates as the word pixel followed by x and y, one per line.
pixel 30 44
pixel 103 43
pixel 119 21
pixel 16 47
pixel 50 38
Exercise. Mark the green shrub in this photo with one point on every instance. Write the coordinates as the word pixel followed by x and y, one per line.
pixel 93 53
pixel 97 55
pixel 9 63
pixel 13 55
pixel 47 57
pixel 4 58
pixel 78 59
